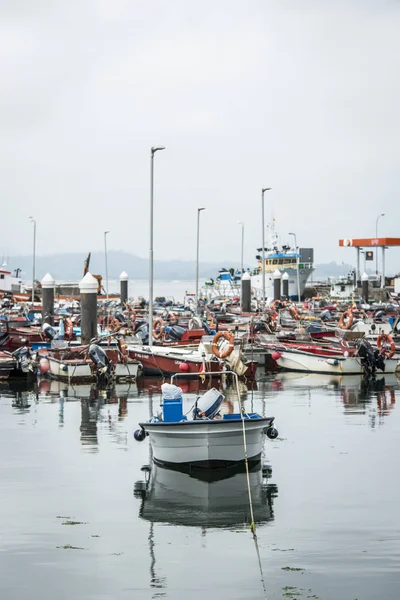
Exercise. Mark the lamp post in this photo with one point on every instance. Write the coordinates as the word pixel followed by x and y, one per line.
pixel 241 264
pixel 297 265
pixel 152 153
pixel 263 246
pixel 32 220
pixel 197 258
pixel 376 235
pixel 105 258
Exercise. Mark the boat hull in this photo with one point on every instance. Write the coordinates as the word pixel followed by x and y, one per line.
pixel 83 371
pixel 206 444
pixel 338 365
pixel 156 364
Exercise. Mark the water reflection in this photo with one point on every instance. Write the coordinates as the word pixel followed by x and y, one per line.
pixel 358 394
pixel 206 498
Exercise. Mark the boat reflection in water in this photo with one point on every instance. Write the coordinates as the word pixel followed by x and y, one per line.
pixel 207 498
pixel 359 395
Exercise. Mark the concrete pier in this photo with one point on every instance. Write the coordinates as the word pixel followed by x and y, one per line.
pixel 277 284
pixel 88 290
pixel 123 280
pixel 246 293
pixel 48 285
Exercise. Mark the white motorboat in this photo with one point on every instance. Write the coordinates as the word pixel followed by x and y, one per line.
pixel 294 359
pixel 201 436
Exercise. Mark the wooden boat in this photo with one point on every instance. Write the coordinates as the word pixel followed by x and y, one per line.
pixel 93 364
pixel 197 435
pixel 167 360
pixel 317 359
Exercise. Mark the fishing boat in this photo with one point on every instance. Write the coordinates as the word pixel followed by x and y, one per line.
pixel 214 354
pixel 286 259
pixel 363 360
pixel 187 435
pixel 89 364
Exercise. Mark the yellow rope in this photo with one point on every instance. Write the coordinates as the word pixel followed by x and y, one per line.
pixel 252 521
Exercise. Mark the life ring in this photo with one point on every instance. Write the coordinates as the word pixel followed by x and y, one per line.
pixel 384 339
pixel 69 328
pixel 158 328
pixel 293 312
pixel 225 348
pixel 346 320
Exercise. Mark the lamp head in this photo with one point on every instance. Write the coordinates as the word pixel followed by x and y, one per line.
pixel 265 189
pixel 156 148
pixel 199 209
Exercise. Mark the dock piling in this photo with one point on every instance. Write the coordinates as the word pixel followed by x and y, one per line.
pixel 277 284
pixel 285 285
pixel 246 293
pixel 88 290
pixel 48 285
pixel 364 284
pixel 123 280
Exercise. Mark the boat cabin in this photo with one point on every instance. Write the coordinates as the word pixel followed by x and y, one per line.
pixel 9 283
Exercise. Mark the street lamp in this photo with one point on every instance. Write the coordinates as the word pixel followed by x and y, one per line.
pixel 105 257
pixel 297 266
pixel 152 153
pixel 32 220
pixel 376 235
pixel 263 245
pixel 197 258
pixel 241 262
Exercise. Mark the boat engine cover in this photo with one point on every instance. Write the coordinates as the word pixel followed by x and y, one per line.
pixel 208 404
pixel 98 356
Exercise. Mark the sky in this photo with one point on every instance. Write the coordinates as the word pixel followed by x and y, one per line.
pixel 298 95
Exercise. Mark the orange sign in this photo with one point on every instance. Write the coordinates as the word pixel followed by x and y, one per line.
pixel 359 242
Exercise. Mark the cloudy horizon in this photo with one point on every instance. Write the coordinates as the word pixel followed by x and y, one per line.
pixel 301 97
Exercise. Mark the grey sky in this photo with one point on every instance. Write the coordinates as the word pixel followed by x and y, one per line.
pixel 302 96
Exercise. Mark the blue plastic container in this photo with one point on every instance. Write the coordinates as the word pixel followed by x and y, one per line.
pixel 172 410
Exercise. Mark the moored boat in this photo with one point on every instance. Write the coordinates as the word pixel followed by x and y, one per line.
pixel 203 437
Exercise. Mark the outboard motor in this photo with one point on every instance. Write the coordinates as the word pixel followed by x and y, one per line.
pixel 49 332
pixel 102 362
pixel 176 332
pixel 372 359
pixel 142 331
pixel 260 326
pixel 208 405
pixel 325 315
pixel 119 316
pixel 23 358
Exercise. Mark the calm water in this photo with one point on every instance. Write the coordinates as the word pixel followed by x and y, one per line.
pixel 79 519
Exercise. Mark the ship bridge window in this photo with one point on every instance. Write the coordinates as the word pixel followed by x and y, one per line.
pixel 281 261
pixel 342 288
pixel 287 261
pixel 2 276
pixel 274 262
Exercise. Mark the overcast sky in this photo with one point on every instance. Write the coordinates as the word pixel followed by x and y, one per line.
pixel 301 96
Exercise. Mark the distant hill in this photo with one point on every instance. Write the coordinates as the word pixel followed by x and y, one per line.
pixel 69 267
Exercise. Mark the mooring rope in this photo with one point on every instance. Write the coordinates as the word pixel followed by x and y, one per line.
pixel 246 461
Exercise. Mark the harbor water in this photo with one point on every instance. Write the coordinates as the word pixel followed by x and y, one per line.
pixel 84 516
